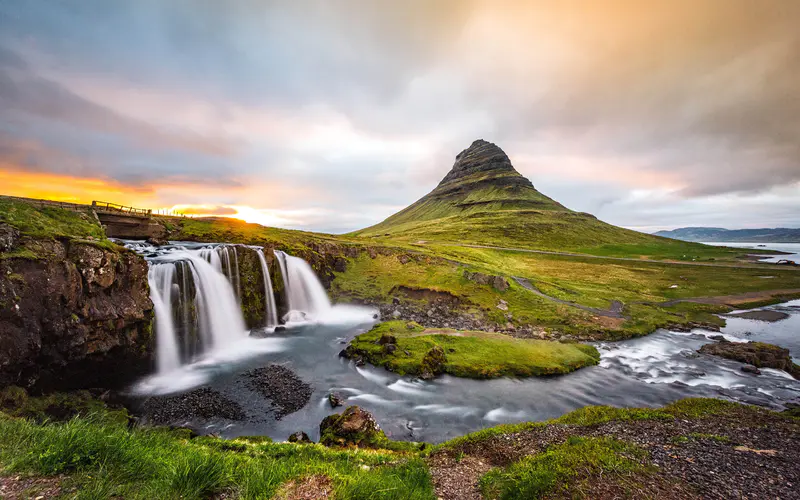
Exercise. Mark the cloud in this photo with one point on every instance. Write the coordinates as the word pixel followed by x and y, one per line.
pixel 352 109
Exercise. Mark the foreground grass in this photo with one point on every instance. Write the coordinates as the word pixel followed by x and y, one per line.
pixel 471 354
pixel 536 475
pixel 105 459
pixel 96 455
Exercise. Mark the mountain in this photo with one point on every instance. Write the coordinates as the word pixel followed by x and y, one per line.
pixel 484 200
pixel 717 234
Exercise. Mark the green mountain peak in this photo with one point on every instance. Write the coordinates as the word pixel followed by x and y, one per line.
pixel 484 200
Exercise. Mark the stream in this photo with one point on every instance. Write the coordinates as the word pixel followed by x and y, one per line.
pixel 648 371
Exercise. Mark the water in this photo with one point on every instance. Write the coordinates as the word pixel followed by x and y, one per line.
pixel 307 299
pixel 271 310
pixel 792 249
pixel 649 371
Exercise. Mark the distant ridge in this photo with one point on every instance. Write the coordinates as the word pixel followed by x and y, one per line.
pixel 484 200
pixel 718 234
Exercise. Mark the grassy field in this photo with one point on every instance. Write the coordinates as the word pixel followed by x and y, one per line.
pixel 643 288
pixel 97 455
pixel 471 354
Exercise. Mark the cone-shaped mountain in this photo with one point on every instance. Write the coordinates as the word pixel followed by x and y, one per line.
pixel 484 200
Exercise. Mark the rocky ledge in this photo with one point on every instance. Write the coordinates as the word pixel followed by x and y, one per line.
pixel 755 354
pixel 73 314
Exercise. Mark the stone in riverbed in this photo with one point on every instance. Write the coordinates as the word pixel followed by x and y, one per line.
pixel 335 399
pixel 751 369
pixel 758 354
pixel 354 426
pixel 300 437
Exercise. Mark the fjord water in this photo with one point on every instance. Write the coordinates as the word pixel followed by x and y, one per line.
pixel 649 371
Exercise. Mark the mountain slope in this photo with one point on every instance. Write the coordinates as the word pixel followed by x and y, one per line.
pixel 484 200
pixel 716 234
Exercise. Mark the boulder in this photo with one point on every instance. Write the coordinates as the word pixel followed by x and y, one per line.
pixel 497 282
pixel 751 369
pixel 758 354
pixel 335 399
pixel 299 437
pixel 354 426
pixel 432 363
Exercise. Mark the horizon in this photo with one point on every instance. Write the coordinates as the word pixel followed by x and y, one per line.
pixel 330 118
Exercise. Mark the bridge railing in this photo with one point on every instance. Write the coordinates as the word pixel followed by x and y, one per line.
pixel 105 206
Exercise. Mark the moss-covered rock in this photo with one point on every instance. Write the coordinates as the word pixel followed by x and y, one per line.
pixel 354 426
pixel 433 363
pixel 758 354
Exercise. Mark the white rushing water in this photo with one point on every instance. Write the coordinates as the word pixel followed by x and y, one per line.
pixel 305 295
pixel 160 279
pixel 271 309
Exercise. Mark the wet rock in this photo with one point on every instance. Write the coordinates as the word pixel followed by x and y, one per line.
pixel 280 328
pixel 716 337
pixel 157 241
pixel 758 354
pixel 354 426
pixel 278 384
pixel 204 403
pixel 300 437
pixel 751 369
pixel 432 363
pixel 335 399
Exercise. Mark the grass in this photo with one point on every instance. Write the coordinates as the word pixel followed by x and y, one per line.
pixel 643 287
pixel 475 355
pixel 49 222
pixel 105 459
pixel 551 471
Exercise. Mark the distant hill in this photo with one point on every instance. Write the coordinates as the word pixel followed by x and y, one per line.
pixel 484 200
pixel 717 234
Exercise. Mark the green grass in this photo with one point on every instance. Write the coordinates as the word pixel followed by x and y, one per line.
pixel 641 286
pixel 550 472
pixel 105 459
pixel 49 222
pixel 474 355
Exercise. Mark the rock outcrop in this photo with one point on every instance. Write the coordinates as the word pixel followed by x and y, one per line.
pixel 354 426
pixel 757 354
pixel 73 314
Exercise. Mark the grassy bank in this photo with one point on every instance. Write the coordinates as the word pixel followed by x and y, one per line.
pixel 591 450
pixel 95 458
pixel 468 354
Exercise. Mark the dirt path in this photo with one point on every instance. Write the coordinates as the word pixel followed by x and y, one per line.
pixel 728 456
pixel 615 311
pixel 624 259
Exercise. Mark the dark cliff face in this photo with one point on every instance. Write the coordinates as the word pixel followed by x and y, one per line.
pixel 73 315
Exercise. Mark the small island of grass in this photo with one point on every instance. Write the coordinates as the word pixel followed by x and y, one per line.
pixel 410 349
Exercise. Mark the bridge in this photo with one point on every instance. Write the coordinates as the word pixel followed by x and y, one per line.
pixel 118 221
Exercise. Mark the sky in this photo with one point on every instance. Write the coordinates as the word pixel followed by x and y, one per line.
pixel 332 115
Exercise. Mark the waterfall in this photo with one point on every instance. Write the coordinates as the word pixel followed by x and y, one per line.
pixel 196 294
pixel 306 297
pixel 160 278
pixel 219 315
pixel 271 310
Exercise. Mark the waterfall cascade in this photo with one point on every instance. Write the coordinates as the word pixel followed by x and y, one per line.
pixel 196 293
pixel 305 295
